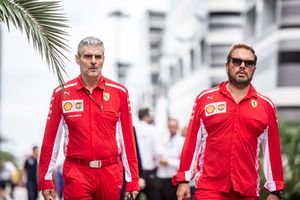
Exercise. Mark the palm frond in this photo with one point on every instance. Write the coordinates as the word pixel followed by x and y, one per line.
pixel 44 24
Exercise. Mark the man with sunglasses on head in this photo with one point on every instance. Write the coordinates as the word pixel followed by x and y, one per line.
pixel 93 112
pixel 228 125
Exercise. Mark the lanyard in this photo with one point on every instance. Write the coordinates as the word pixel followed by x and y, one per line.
pixel 93 99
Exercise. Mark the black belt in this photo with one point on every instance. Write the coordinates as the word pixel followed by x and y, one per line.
pixel 95 163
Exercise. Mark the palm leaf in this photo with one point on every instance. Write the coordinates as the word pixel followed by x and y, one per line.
pixel 44 24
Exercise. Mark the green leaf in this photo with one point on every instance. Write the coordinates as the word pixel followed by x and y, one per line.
pixel 44 25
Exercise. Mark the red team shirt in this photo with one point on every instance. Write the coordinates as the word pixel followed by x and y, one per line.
pixel 222 145
pixel 95 127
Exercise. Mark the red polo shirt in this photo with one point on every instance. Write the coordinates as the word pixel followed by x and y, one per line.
pixel 95 126
pixel 222 145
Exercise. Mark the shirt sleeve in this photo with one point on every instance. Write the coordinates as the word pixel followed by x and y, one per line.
pixel 26 165
pixel 190 149
pixel 272 161
pixel 174 162
pixel 51 143
pixel 129 156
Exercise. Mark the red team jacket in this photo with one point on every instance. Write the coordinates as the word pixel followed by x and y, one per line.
pixel 95 128
pixel 222 145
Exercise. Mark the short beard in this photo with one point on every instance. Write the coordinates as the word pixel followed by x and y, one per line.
pixel 238 83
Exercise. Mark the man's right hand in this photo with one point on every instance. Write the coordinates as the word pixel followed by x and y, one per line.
pixel 49 194
pixel 183 191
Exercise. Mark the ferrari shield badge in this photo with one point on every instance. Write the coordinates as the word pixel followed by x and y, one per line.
pixel 254 103
pixel 106 96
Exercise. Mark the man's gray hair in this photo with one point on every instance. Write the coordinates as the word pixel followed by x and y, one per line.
pixel 90 41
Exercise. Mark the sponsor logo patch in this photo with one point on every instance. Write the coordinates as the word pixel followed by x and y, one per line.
pixel 221 107
pixel 78 105
pixel 215 108
pixel 72 106
pixel 210 109
pixel 254 103
pixel 106 96
pixel 68 106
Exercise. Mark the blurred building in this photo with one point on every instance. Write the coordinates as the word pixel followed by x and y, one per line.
pixel 143 80
pixel 183 49
pixel 274 29
pixel 121 66
pixel 1 136
pixel 197 38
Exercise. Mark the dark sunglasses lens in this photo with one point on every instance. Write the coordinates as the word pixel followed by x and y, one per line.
pixel 236 61
pixel 249 63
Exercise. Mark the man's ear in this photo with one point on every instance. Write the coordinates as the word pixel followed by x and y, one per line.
pixel 226 67
pixel 77 58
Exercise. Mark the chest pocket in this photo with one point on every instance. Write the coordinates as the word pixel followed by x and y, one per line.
pixel 110 116
pixel 111 108
pixel 110 113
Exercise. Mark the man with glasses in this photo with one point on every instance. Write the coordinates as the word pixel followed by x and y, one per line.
pixel 227 126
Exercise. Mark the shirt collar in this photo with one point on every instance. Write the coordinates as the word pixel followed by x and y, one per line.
pixel 80 84
pixel 251 93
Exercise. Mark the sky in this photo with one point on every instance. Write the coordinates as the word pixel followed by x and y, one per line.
pixel 27 82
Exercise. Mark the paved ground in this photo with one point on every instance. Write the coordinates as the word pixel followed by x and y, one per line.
pixel 20 193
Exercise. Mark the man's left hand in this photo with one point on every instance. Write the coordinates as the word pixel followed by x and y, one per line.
pixel 273 197
pixel 132 194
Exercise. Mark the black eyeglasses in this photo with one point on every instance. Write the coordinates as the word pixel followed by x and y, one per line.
pixel 237 62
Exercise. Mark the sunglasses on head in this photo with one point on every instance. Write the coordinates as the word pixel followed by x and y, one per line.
pixel 237 62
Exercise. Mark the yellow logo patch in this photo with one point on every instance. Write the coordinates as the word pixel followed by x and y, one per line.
pixel 68 106
pixel 215 108
pixel 210 109
pixel 72 106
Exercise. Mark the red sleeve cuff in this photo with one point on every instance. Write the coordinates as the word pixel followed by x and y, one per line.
pixel 45 184
pixel 280 185
pixel 179 178
pixel 132 186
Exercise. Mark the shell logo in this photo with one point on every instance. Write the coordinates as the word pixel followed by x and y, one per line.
pixel 215 108
pixel 210 109
pixel 68 106
pixel 72 105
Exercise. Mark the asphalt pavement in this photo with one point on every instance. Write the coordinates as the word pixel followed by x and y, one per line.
pixel 20 193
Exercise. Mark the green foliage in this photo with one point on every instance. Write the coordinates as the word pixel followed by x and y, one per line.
pixel 5 156
pixel 290 147
pixel 44 25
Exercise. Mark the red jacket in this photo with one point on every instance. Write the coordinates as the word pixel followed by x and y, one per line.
pixel 96 127
pixel 222 145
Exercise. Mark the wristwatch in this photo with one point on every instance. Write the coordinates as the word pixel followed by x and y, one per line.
pixel 279 193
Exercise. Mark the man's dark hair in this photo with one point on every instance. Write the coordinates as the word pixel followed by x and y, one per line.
pixel 143 112
pixel 34 148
